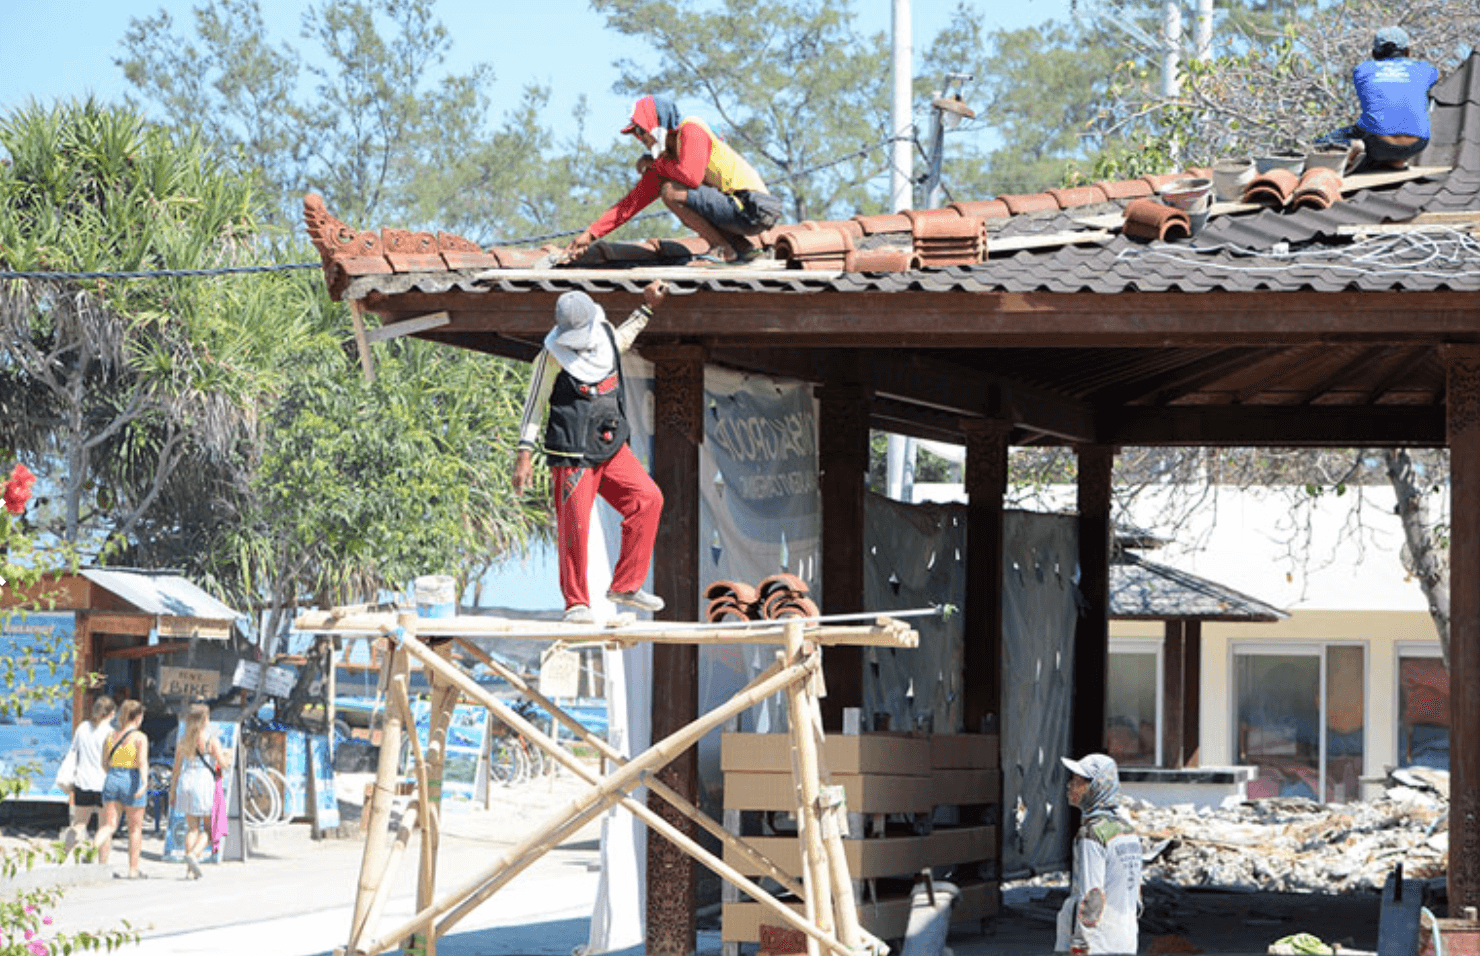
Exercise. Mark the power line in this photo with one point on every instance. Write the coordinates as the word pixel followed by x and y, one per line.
pixel 524 241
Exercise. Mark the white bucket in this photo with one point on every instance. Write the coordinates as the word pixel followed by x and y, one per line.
pixel 1326 159
pixel 1189 195
pixel 1230 176
pixel 1294 162
pixel 436 595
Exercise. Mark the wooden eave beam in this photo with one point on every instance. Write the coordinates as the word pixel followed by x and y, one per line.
pixel 983 319
pixel 1314 426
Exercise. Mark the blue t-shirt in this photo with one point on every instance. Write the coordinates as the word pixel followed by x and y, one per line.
pixel 1395 96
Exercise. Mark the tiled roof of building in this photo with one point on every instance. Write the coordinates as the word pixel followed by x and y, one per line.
pixel 1144 590
pixel 1059 240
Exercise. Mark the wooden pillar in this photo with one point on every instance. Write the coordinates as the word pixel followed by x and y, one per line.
pixel 842 460
pixel 986 484
pixel 678 428
pixel 1191 694
pixel 1462 406
pixel 1092 633
pixel 1171 694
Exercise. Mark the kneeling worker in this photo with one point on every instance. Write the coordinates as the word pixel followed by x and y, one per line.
pixel 699 177
pixel 578 379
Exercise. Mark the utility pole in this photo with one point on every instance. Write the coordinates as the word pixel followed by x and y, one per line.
pixel 901 119
pixel 947 111
pixel 1171 51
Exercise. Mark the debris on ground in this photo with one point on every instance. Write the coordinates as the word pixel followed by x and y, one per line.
pixel 1292 844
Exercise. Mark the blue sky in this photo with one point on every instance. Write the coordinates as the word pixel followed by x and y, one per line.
pixel 66 48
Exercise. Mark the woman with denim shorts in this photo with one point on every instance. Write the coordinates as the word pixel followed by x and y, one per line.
pixel 126 758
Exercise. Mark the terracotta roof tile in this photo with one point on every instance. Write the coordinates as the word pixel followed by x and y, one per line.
pixel 983 209
pixel 1031 202
pixel 1149 219
pixel 1161 179
pixel 1125 188
pixel 1317 189
pixel 459 253
pixel 887 222
pixel 886 259
pixel 1271 189
pixel 1078 196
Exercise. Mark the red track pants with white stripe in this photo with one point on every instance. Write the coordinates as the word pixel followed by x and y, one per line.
pixel 624 485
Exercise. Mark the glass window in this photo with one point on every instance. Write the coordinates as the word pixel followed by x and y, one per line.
pixel 1131 722
pixel 1300 719
pixel 1423 712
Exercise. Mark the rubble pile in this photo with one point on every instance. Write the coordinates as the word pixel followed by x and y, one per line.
pixel 1295 845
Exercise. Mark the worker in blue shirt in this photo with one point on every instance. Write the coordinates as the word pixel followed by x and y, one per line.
pixel 1394 93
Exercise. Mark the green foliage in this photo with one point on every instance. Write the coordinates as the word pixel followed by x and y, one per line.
pixel 363 486
pixel 789 83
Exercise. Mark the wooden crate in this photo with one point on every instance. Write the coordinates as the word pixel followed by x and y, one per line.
pixel 881 856
pixel 886 919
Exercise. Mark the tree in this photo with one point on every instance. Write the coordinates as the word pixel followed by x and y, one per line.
pixel 116 386
pixel 793 87
pixel 361 114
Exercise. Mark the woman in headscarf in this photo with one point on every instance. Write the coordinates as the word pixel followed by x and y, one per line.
pixel 1103 910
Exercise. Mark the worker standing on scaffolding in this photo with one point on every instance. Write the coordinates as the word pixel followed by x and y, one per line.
pixel 578 380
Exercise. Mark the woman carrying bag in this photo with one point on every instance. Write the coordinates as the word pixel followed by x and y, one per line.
pixel 126 759
pixel 199 764
pixel 88 773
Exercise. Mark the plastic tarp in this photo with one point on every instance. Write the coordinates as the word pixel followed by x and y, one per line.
pixel 915 557
pixel 1039 610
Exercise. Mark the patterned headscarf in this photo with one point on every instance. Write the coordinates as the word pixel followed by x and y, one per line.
pixel 1102 797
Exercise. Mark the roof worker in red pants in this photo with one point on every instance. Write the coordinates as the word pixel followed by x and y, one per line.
pixel 705 183
pixel 578 380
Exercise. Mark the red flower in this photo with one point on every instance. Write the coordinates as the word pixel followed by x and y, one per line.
pixel 18 489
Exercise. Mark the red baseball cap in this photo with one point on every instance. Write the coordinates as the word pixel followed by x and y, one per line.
pixel 644 116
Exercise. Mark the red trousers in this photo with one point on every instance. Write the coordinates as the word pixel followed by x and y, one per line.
pixel 624 485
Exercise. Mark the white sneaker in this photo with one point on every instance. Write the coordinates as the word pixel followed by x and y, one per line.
pixel 639 599
pixel 193 865
pixel 579 614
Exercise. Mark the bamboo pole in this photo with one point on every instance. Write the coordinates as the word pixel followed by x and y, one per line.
pixel 885 632
pixel 815 872
pixel 751 855
pixel 399 693
pixel 382 893
pixel 833 812
pixel 660 754
pixel 372 865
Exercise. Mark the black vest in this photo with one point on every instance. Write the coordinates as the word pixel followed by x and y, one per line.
pixel 588 420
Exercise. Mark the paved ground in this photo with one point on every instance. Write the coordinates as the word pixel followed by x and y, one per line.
pixel 294 899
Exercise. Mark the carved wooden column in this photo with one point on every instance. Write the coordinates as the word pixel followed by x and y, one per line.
pixel 842 462
pixel 986 484
pixel 1463 411
pixel 678 428
pixel 1092 634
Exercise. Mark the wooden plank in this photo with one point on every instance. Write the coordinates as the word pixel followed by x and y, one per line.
pixel 1329 426
pixel 144 650
pixel 963 751
pixel 897 754
pixel 957 787
pixel 885 856
pixel 887 919
pixel 645 274
pixel 1051 239
pixel 423 323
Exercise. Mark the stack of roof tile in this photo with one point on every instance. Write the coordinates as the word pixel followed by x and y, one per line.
pixel 813 245
pixel 944 237
pixel 730 601
pixel 1319 188
pixel 777 597
pixel 1272 189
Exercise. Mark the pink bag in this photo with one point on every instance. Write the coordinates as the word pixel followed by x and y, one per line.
pixel 220 825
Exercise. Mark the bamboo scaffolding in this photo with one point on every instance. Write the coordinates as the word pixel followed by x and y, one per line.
pixel 827 895
pixel 754 857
